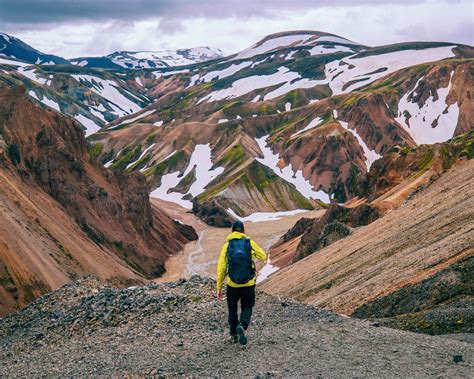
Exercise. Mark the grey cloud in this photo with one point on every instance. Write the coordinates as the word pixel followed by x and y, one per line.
pixel 54 11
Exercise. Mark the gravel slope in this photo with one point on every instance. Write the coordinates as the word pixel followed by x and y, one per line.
pixel 85 328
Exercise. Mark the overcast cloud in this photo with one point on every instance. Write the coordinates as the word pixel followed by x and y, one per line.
pixel 95 27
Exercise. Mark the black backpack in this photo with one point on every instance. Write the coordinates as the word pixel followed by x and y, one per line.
pixel 240 266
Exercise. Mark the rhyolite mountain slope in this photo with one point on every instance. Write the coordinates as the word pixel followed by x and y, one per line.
pixel 93 97
pixel 293 121
pixel 63 215
pixel 410 268
pixel 179 329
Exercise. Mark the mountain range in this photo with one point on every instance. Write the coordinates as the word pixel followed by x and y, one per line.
pixel 300 120
pixel 13 47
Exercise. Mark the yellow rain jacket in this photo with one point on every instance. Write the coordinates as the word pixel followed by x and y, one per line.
pixel 257 253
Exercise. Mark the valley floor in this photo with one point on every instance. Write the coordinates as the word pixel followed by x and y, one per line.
pixel 200 257
pixel 180 328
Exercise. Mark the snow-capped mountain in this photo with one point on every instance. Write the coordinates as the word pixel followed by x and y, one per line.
pixel 150 59
pixel 298 118
pixel 93 98
pixel 12 47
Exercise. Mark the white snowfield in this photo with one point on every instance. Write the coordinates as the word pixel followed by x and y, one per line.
pixel 108 90
pixel 336 39
pixel 251 83
pixel 91 126
pixel 166 58
pixel 49 102
pixel 266 271
pixel 290 40
pixel 265 216
pixel 97 112
pixel 313 124
pixel 141 156
pixel 419 125
pixel 272 44
pixel 219 74
pixel 159 74
pixel 30 73
pixel 303 186
pixel 365 71
pixel 370 155
pixel 364 67
pixel 318 50
pixel 12 62
pixel 201 160
pixel 129 121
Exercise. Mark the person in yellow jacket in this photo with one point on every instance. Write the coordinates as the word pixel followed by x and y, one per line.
pixel 236 263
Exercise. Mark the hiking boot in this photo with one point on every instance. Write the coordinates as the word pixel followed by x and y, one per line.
pixel 241 334
pixel 234 338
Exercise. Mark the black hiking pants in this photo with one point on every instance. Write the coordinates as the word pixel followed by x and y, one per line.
pixel 246 295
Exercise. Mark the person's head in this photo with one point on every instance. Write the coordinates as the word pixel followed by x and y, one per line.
pixel 238 226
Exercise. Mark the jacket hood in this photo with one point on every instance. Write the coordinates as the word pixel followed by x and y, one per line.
pixel 236 236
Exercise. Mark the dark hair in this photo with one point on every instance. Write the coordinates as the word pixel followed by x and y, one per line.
pixel 238 226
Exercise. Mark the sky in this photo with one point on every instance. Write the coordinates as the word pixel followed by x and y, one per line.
pixel 73 28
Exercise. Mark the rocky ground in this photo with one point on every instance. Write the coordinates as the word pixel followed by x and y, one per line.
pixel 179 328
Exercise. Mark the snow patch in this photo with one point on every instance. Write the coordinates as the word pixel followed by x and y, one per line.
pixel 108 89
pixel 370 155
pixel 201 160
pixel 231 70
pixel 272 44
pixel 129 121
pixel 318 50
pixel 336 39
pixel 141 156
pixel 91 126
pixel 266 271
pixel 13 63
pixel 303 186
pixel 365 68
pixel 251 83
pixel 314 123
pixel 265 216
pixel 433 112
pixel 32 75
pixel 255 99
pixel 50 103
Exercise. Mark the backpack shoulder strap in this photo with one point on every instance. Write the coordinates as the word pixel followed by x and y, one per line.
pixel 248 245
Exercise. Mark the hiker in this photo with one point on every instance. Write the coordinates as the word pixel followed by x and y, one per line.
pixel 236 263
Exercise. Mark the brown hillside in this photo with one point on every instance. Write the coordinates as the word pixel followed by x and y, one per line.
pixel 409 244
pixel 63 215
